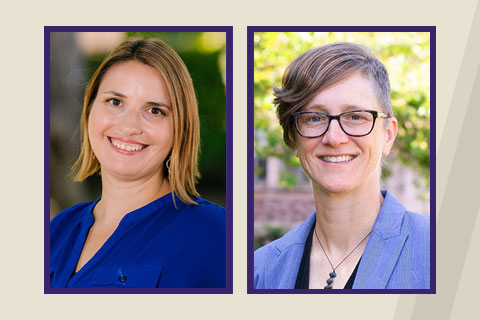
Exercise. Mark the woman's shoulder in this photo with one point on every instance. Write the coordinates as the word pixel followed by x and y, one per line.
pixel 70 215
pixel 205 209
pixel 290 241
pixel 417 226
pixel 204 204
pixel 210 216
pixel 393 215
pixel 417 221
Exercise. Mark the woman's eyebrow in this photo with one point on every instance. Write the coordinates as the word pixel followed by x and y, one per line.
pixel 152 103
pixel 158 104
pixel 314 107
pixel 323 108
pixel 350 107
pixel 116 94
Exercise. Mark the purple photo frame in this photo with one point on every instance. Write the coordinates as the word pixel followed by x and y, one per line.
pixel 250 155
pixel 229 149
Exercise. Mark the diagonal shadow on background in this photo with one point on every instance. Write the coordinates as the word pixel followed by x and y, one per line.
pixel 460 202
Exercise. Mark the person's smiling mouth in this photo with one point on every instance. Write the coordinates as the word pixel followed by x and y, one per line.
pixel 337 158
pixel 127 146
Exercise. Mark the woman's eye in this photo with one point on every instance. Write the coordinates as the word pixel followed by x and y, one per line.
pixel 156 111
pixel 356 117
pixel 315 119
pixel 115 102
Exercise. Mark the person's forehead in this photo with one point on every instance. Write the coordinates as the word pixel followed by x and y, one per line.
pixel 132 78
pixel 352 93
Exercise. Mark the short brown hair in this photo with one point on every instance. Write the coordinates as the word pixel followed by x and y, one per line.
pixel 320 68
pixel 183 169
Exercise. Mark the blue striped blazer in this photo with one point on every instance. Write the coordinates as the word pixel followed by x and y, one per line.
pixel 397 254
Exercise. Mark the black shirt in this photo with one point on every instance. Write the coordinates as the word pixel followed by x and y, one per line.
pixel 304 270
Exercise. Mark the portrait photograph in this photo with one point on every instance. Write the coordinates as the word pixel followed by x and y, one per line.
pixel 262 160
pixel 341 198
pixel 138 177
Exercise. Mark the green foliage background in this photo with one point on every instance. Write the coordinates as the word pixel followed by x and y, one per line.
pixel 407 59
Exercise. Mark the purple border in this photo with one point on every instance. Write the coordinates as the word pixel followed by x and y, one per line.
pixel 250 159
pixel 229 158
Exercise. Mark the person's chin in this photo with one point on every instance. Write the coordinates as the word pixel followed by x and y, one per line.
pixel 127 173
pixel 335 186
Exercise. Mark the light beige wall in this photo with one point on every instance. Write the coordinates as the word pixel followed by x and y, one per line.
pixel 458 173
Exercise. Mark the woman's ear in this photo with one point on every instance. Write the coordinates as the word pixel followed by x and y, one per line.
pixel 391 133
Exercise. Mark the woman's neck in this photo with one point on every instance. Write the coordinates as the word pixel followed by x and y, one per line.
pixel 120 197
pixel 343 220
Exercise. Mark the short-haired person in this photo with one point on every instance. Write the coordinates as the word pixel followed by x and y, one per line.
pixel 149 228
pixel 334 108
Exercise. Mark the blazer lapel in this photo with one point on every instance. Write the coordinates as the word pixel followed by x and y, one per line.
pixel 378 262
pixel 383 248
pixel 282 272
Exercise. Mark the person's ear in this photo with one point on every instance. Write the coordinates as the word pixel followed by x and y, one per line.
pixel 391 133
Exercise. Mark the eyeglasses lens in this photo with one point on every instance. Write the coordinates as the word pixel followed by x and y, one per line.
pixel 356 123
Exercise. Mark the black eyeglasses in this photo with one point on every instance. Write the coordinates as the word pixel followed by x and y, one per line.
pixel 357 123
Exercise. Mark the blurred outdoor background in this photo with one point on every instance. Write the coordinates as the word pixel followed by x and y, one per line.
pixel 74 57
pixel 283 196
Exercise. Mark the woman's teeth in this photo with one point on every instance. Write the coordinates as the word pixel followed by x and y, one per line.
pixel 337 159
pixel 130 147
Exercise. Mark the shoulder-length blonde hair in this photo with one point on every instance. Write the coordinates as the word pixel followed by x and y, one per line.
pixel 182 171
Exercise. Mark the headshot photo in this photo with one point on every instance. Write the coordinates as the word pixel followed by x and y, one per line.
pixel 341 161
pixel 138 161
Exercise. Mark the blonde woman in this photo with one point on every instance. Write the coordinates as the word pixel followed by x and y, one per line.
pixel 149 228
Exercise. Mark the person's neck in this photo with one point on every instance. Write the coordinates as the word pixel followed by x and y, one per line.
pixel 120 196
pixel 343 220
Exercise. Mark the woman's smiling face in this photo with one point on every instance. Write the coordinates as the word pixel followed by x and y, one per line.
pixel 130 125
pixel 336 162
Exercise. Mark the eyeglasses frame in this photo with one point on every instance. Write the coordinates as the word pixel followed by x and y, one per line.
pixel 375 114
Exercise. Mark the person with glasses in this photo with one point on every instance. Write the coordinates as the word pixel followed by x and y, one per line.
pixel 335 110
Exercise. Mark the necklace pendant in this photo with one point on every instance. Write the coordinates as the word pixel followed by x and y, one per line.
pixel 333 274
pixel 330 281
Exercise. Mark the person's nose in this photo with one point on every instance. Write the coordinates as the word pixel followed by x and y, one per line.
pixel 334 136
pixel 130 122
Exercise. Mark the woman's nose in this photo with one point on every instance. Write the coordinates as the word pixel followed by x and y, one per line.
pixel 130 122
pixel 334 135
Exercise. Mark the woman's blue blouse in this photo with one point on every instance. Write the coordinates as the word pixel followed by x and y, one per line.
pixel 157 245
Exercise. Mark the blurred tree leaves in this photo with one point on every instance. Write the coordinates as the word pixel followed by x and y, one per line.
pixel 407 58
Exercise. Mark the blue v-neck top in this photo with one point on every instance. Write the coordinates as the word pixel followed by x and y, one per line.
pixel 156 246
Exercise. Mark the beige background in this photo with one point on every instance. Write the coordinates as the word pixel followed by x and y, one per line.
pixel 458 173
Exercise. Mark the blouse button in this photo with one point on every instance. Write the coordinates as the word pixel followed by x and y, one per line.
pixel 122 278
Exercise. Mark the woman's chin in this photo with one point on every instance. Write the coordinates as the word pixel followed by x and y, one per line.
pixel 334 188
pixel 123 173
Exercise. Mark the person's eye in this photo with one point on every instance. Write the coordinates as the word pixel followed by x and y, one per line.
pixel 315 118
pixel 115 102
pixel 156 111
pixel 357 116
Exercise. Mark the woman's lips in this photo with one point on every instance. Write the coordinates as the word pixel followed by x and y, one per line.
pixel 338 158
pixel 125 146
